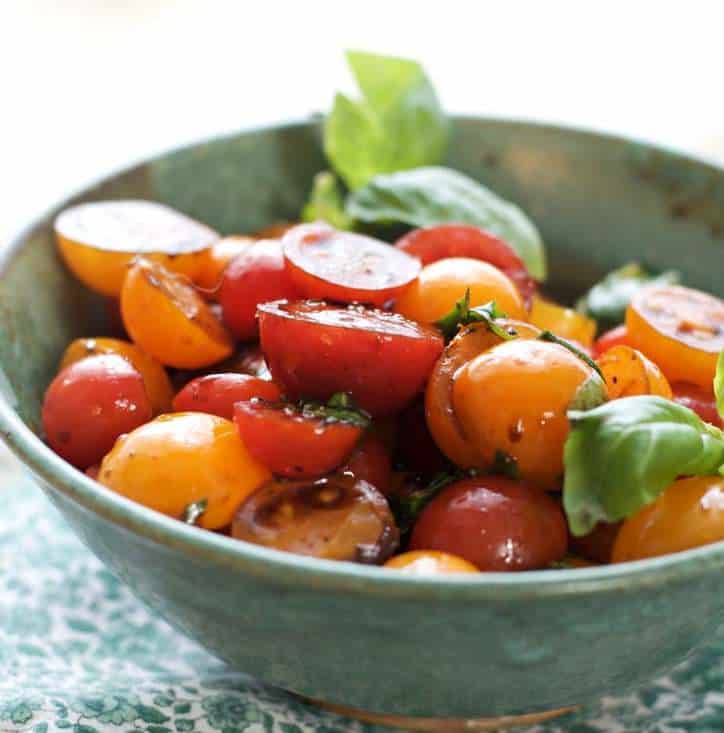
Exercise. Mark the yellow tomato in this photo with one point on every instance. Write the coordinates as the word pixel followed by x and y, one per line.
pixel 430 562
pixel 690 513
pixel 213 262
pixel 628 373
pixel 562 321
pixel 182 458
pixel 158 385
pixel 441 284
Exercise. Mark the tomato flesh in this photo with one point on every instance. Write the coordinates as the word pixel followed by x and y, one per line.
pixel 324 263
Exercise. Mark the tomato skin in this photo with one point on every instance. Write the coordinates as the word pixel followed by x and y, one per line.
pixel 597 545
pixel 690 513
pixel 316 350
pixel 216 394
pixel 698 399
pixel 371 463
pixel 89 404
pixel 256 276
pixel 494 523
pixel 615 337
pixel 291 444
pixel 429 562
pixel 629 373
pixel 564 322
pixel 326 264
pixel 215 259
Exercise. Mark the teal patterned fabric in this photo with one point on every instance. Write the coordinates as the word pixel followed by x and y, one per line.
pixel 79 654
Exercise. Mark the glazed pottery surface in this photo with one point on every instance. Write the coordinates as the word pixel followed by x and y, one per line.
pixel 493 644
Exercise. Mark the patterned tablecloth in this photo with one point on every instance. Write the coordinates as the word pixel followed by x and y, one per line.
pixel 80 654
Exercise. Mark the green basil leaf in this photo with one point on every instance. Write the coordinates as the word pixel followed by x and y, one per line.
pixel 719 385
pixel 193 511
pixel 436 195
pixel 462 314
pixel 590 394
pixel 326 202
pixel 339 408
pixel 620 456
pixel 607 301
pixel 399 123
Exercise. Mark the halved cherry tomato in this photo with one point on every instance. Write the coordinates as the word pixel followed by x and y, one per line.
pixel 158 385
pixel 292 443
pixel 256 276
pixel 315 350
pixel 597 545
pixel 564 322
pixel 215 259
pixel 216 394
pixel 698 399
pixel 182 458
pixel 495 524
pixel 430 562
pixel 324 263
pixel 680 329
pixel 690 513
pixel 628 373
pixel 441 284
pixel 442 421
pixel 335 518
pixel 434 243
pixel 99 240
pixel 168 319
pixel 615 337
pixel 371 463
pixel 89 404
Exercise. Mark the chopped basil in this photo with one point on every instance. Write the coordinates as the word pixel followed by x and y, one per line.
pixel 339 408
pixel 462 315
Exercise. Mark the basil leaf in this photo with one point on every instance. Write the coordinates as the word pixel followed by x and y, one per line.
pixel 607 301
pixel 462 314
pixel 193 511
pixel 399 123
pixel 326 202
pixel 719 385
pixel 590 394
pixel 620 456
pixel 436 195
pixel 339 408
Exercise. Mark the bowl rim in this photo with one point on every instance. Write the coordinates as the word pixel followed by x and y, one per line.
pixel 325 575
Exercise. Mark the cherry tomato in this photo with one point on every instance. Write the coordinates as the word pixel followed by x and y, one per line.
pixel 628 373
pixel 429 562
pixel 564 322
pixel 597 545
pixel 99 240
pixel 698 399
pixel 168 319
pixel 315 350
pixel 89 404
pixel 442 421
pixel 371 463
pixel 416 449
pixel 680 329
pixel 276 230
pixel 182 458
pixel 514 398
pixel 216 394
pixel 494 523
pixel 158 385
pixel 292 443
pixel 440 242
pixel 215 259
pixel 615 337
pixel 690 513
pixel 324 263
pixel 441 284
pixel 335 518
pixel 256 276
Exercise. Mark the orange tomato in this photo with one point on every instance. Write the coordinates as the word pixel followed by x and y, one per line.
pixel 628 372
pixel 168 319
pixel 182 458
pixel 99 240
pixel 690 513
pixel 680 329
pixel 430 562
pixel 564 322
pixel 158 385
pixel 514 398
pixel 441 284
pixel 213 262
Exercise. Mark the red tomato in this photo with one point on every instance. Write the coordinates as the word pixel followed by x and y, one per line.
pixel 371 463
pixel 416 447
pixel 257 275
pixel 290 443
pixel 495 523
pixel 315 350
pixel 217 393
pixel 89 404
pixel 460 240
pixel 350 268
pixel 615 337
pixel 698 399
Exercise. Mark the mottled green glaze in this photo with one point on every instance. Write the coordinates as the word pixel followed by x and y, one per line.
pixel 487 645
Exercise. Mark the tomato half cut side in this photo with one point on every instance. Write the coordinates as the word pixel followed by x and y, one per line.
pixel 324 263
pixel 434 243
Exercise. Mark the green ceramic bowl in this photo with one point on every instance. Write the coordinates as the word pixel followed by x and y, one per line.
pixel 488 645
